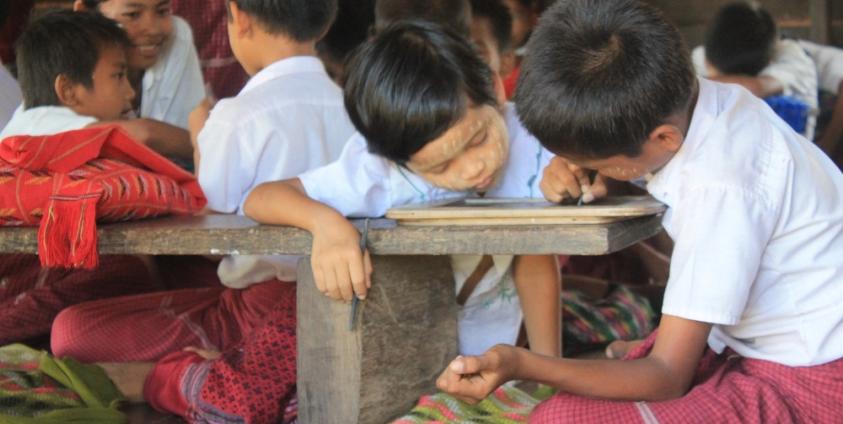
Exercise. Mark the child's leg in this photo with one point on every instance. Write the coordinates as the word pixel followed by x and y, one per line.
pixel 251 382
pixel 539 285
pixel 31 296
pixel 147 327
pixel 727 388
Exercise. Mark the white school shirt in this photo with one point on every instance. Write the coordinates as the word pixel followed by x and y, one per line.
pixel 289 118
pixel 756 214
pixel 361 184
pixel 45 120
pixel 173 87
pixel 10 95
pixel 792 68
pixel 829 63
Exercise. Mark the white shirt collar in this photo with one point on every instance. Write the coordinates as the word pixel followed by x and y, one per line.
pixel 666 180
pixel 288 66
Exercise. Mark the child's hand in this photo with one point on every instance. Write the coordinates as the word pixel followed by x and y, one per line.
pixel 340 268
pixel 472 378
pixel 562 179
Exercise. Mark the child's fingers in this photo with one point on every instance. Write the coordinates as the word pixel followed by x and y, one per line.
pixel 367 268
pixel 331 286
pixel 357 271
pixel 344 281
pixel 318 277
pixel 598 187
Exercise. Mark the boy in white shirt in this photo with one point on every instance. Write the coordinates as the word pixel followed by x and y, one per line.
pixel 755 210
pixel 289 118
pixel 422 140
pixel 742 47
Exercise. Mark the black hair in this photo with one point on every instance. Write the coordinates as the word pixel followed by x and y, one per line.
pixel 410 84
pixel 349 30
pixel 499 17
pixel 4 12
pixel 740 39
pixel 63 42
pixel 301 20
pixel 600 75
pixel 453 14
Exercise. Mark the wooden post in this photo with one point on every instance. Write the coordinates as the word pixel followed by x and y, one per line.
pixel 406 333
pixel 820 21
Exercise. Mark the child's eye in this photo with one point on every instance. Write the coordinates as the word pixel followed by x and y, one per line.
pixel 439 168
pixel 164 11
pixel 479 139
pixel 119 75
pixel 132 15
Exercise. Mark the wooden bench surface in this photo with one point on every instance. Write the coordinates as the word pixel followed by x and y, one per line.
pixel 237 235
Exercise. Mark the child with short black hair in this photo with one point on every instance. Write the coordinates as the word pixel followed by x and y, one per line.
pixel 752 305
pixel 742 46
pixel 439 135
pixel 72 72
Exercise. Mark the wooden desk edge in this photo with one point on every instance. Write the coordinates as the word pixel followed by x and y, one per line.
pixel 237 235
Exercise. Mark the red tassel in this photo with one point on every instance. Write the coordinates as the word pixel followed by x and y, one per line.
pixel 67 236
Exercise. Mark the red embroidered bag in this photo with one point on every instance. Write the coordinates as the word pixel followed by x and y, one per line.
pixel 67 182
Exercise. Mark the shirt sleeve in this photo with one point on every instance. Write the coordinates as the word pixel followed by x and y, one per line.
pixel 794 70
pixel 719 244
pixel 357 184
pixel 226 169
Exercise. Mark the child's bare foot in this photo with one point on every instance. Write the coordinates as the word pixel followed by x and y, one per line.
pixel 128 377
pixel 619 348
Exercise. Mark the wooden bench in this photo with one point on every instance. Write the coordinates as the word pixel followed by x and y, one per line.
pixel 406 330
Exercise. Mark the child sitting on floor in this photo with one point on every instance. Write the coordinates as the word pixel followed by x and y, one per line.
pixel 72 69
pixel 752 329
pixel 439 135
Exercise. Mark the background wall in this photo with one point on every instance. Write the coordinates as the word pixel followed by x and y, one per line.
pixel 818 20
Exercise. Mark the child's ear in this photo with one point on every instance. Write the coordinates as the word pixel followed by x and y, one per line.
pixel 66 91
pixel 78 6
pixel 668 137
pixel 241 21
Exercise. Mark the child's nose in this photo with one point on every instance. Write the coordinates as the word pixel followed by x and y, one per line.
pixel 474 169
pixel 130 92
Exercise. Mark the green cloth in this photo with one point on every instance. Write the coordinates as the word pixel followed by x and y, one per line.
pixel 36 388
pixel 506 405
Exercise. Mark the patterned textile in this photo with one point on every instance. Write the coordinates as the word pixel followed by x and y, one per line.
pixel 506 405
pixel 147 327
pixel 31 295
pixel 66 182
pixel 727 389
pixel 253 382
pixel 36 388
pixel 622 315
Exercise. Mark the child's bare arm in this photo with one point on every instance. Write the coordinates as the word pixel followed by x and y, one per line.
pixel 538 283
pixel 162 137
pixel 666 373
pixel 195 122
pixel 340 268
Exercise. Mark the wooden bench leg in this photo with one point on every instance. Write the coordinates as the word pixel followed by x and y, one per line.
pixel 405 335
